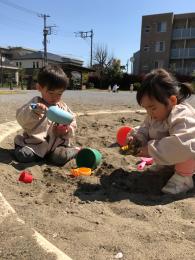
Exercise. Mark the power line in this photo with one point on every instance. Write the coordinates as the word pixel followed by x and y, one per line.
pixel 9 20
pixel 47 30
pixel 18 7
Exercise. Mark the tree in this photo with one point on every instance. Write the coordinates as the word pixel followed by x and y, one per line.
pixel 101 57
pixel 114 71
pixel 108 69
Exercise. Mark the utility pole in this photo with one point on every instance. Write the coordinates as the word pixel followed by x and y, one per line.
pixel 2 60
pixel 1 70
pixel 47 30
pixel 127 66
pixel 132 60
pixel 84 35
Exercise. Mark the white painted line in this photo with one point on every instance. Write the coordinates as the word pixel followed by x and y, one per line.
pixel 5 208
pixel 11 127
pixel 102 112
pixel 50 248
pixel 8 128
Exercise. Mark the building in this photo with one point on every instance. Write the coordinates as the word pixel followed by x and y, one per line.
pixel 167 41
pixel 29 61
pixel 35 60
pixel 8 71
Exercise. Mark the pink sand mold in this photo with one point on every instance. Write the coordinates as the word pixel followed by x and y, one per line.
pixel 145 161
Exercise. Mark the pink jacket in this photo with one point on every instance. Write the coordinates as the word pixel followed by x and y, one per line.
pixel 172 140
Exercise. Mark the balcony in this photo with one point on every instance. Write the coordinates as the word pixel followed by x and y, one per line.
pixel 179 53
pixel 185 33
pixel 185 70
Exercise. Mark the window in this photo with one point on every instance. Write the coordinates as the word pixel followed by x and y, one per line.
pixel 37 64
pixel 33 64
pixel 161 27
pixel 147 28
pixel 158 64
pixel 146 48
pixel 20 64
pixel 160 47
pixel 17 64
pixel 145 67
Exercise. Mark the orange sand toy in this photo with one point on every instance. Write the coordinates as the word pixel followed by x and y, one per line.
pixel 81 171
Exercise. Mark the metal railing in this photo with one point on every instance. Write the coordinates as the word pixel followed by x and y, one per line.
pixel 185 70
pixel 181 53
pixel 185 33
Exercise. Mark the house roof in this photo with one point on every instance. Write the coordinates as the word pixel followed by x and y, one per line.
pixel 40 55
pixel 50 56
pixel 21 48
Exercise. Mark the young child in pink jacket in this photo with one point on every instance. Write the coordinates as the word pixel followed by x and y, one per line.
pixel 42 138
pixel 168 132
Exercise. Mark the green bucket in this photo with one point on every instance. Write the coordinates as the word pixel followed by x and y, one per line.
pixel 88 157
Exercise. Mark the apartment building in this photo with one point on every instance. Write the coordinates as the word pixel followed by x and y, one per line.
pixel 167 41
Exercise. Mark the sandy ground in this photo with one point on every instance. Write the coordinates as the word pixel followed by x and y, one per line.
pixel 117 209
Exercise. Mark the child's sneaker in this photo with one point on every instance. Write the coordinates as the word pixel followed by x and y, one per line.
pixel 62 155
pixel 178 184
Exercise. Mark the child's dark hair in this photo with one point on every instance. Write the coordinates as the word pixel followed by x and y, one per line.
pixel 160 84
pixel 52 77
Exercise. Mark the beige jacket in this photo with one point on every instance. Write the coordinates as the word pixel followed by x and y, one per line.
pixel 172 140
pixel 38 133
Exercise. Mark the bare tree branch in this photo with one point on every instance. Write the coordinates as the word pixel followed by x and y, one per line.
pixel 101 57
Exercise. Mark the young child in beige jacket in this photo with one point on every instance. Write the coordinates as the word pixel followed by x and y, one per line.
pixel 168 132
pixel 41 137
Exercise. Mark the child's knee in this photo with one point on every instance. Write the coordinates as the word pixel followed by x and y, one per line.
pixel 61 155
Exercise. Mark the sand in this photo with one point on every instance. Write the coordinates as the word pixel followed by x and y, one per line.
pixel 116 210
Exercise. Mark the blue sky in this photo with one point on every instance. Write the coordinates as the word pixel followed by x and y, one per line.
pixel 116 24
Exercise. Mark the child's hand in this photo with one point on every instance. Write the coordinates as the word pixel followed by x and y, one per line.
pixel 61 130
pixel 60 105
pixel 143 152
pixel 129 138
pixel 41 108
pixel 134 145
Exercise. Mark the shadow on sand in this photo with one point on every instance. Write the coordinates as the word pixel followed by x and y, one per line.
pixel 140 188
pixel 7 157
